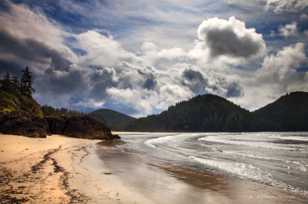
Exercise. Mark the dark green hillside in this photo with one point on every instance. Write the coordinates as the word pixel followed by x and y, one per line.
pixel 201 113
pixel 288 113
pixel 20 114
pixel 113 119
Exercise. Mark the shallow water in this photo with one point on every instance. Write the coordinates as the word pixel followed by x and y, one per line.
pixel 279 160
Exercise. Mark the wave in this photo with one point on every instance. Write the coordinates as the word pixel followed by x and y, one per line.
pixel 247 171
pixel 295 138
pixel 239 141
pixel 175 138
pixel 242 170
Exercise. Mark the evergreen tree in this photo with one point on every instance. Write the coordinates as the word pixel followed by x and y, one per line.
pixel 26 82
pixel 6 82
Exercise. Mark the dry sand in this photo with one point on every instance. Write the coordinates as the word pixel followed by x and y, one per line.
pixel 53 170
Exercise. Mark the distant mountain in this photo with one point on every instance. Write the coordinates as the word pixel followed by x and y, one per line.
pixel 113 119
pixel 288 113
pixel 208 113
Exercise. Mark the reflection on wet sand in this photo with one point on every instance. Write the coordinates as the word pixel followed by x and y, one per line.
pixel 166 183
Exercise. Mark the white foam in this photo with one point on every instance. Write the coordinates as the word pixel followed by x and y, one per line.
pixel 239 169
pixel 295 138
pixel 176 138
pixel 250 155
pixel 238 141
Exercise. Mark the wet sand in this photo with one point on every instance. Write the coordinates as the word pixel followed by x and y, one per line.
pixel 166 183
pixel 67 170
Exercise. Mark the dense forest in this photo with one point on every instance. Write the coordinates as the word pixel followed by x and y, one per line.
pixel 211 113
pixel 113 119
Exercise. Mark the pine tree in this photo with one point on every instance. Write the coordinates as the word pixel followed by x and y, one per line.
pixel 6 82
pixel 26 82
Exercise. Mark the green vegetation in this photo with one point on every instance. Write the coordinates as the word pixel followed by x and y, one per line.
pixel 210 113
pixel 201 113
pixel 20 114
pixel 16 96
pixel 288 113
pixel 59 112
pixel 113 119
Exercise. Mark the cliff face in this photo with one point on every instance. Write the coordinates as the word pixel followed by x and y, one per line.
pixel 18 123
pixel 79 126
pixel 22 115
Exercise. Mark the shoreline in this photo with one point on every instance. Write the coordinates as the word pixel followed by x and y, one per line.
pixel 60 169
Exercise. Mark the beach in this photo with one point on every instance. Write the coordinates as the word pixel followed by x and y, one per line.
pixel 50 171
pixel 60 169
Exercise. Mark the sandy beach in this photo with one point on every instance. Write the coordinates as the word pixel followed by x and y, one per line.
pixel 60 169
pixel 51 171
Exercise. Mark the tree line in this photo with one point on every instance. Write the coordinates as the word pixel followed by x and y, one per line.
pixel 23 84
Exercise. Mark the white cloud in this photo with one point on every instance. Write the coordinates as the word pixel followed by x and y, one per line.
pixel 100 49
pixel 281 66
pixel 165 69
pixel 289 30
pixel 230 38
pixel 23 23
pixel 279 6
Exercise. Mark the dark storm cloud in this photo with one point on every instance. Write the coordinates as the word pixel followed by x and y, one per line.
pixel 234 90
pixel 150 83
pixel 10 67
pixel 194 80
pixel 101 79
pixel 226 42
pixel 230 37
pixel 61 82
pixel 31 50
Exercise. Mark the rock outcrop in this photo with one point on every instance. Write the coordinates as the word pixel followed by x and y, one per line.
pixel 20 124
pixel 21 115
pixel 80 127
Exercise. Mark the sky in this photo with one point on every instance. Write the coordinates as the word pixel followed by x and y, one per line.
pixel 139 57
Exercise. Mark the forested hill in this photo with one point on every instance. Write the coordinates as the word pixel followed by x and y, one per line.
pixel 210 113
pixel 288 113
pixel 113 119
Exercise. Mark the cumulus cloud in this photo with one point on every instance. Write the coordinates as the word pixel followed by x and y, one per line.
pixel 279 73
pixel 195 81
pixel 282 65
pixel 29 50
pixel 279 6
pixel 91 69
pixel 230 38
pixel 288 30
pixel 23 23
